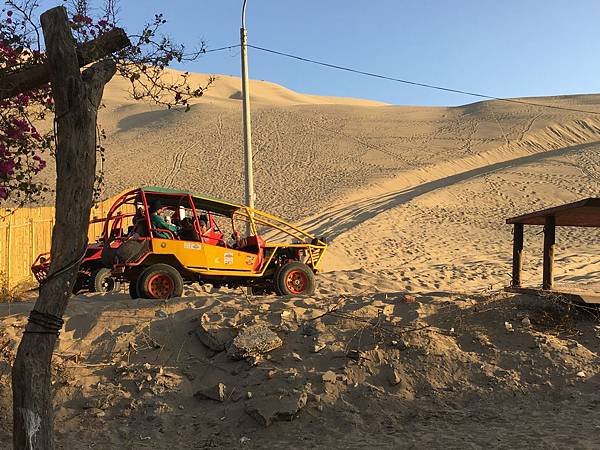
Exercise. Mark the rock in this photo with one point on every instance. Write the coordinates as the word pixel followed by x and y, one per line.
pixel 312 328
pixel 296 356
pixel 526 322
pixel 329 377
pixel 508 326
pixel 244 439
pixel 253 341
pixel 213 334
pixel 271 374
pixel 408 298
pixel 216 392
pixel 581 374
pixel 160 314
pixel 403 345
pixel 286 316
pixel 395 376
pixel 249 394
pixel 318 347
pixel 275 408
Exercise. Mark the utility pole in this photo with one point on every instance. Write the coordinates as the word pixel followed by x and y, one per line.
pixel 247 124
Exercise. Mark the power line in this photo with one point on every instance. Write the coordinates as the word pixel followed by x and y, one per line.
pixel 229 47
pixel 416 83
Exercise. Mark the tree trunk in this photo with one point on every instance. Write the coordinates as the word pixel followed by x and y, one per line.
pixel 77 97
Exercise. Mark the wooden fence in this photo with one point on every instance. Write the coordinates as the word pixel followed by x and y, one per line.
pixel 27 232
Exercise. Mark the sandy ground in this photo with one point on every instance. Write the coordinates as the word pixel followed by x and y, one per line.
pixel 434 370
pixel 417 346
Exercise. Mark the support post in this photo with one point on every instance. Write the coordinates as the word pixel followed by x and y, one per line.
pixel 549 241
pixel 517 255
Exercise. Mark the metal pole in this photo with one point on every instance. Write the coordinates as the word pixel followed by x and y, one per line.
pixel 247 124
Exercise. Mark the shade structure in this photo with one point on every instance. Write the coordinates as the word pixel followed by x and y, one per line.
pixel 584 213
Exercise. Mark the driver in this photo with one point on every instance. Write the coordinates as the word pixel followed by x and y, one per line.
pixel 158 222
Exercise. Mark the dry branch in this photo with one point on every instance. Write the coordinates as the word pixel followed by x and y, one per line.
pixel 13 83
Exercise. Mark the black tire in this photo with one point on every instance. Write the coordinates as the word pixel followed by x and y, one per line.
pixel 294 278
pixel 160 281
pixel 133 291
pixel 102 281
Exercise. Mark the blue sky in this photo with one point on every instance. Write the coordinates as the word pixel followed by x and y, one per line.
pixel 503 48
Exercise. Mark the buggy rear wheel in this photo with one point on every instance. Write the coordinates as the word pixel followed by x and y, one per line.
pixel 102 281
pixel 294 278
pixel 160 281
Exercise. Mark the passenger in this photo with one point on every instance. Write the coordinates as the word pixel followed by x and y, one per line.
pixel 158 222
pixel 203 226
pixel 237 240
pixel 187 232
pixel 203 222
pixel 139 227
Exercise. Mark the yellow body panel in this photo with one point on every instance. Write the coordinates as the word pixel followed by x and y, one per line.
pixel 202 257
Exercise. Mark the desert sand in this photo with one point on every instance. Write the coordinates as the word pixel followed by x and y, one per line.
pixel 409 341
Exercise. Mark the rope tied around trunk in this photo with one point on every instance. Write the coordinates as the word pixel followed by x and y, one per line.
pixel 52 324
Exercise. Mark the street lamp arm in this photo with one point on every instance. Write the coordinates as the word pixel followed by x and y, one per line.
pixel 244 14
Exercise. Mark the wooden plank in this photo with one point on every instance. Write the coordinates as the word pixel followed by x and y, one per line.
pixel 588 211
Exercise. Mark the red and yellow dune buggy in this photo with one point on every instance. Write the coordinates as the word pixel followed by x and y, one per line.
pixel 202 239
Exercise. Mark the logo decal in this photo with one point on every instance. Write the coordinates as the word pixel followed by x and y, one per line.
pixel 228 258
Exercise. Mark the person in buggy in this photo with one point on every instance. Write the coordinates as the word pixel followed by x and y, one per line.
pixel 159 223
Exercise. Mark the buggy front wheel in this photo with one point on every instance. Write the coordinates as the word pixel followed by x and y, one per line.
pixel 160 281
pixel 294 278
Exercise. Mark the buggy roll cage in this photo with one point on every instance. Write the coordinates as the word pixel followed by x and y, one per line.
pixel 215 206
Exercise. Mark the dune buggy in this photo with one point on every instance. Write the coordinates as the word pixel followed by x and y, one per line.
pixel 209 241
pixel 92 275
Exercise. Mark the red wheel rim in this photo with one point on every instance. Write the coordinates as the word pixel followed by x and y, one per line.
pixel 296 281
pixel 160 286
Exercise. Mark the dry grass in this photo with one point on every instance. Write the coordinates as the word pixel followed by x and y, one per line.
pixel 15 293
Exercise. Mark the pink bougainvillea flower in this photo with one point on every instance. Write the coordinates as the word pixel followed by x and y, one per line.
pixel 7 167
